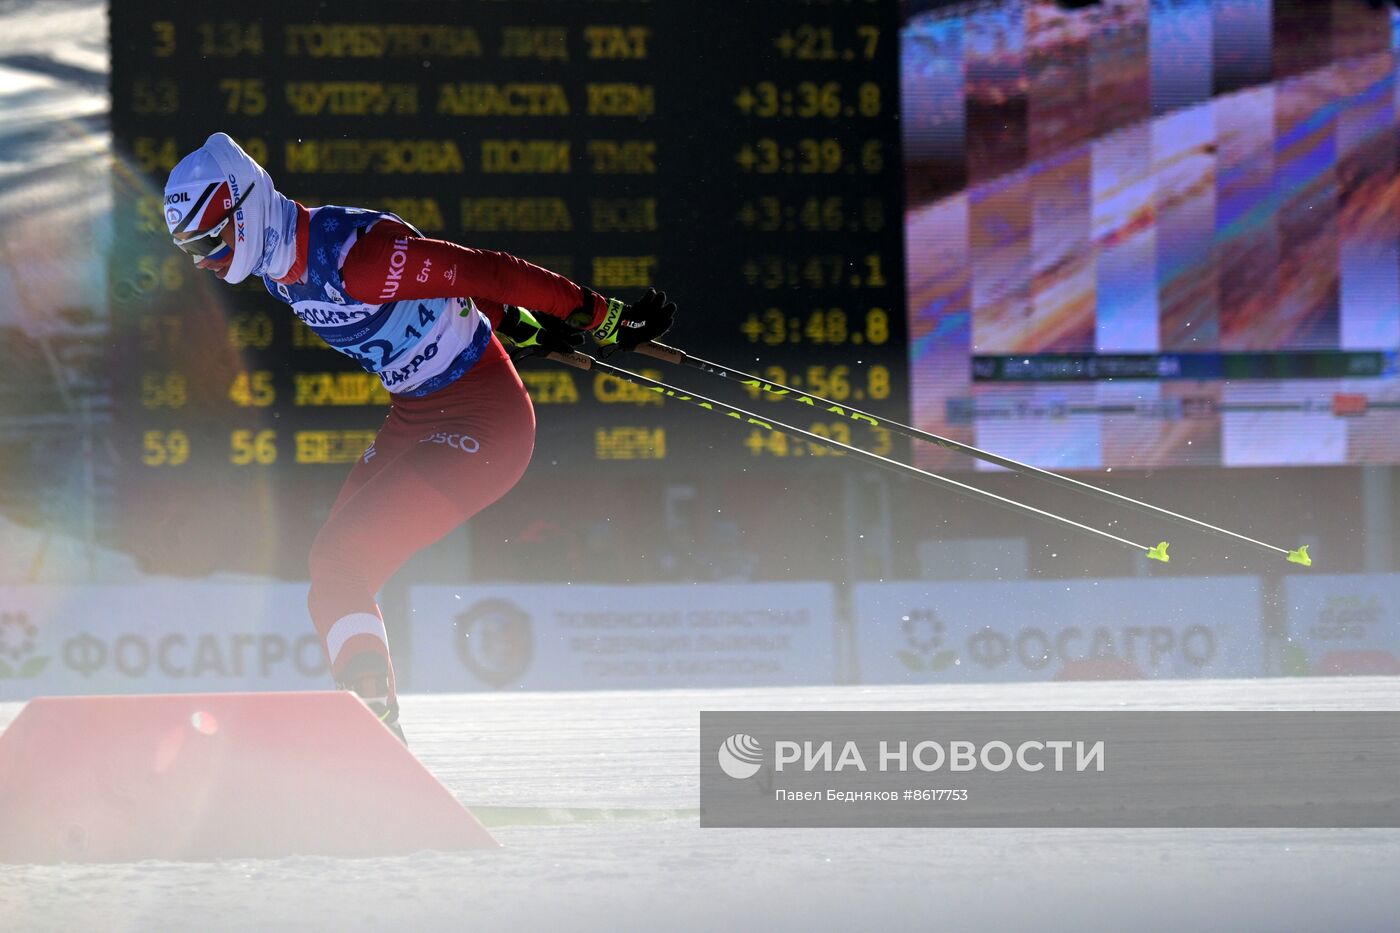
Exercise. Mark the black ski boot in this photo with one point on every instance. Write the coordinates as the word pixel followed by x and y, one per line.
pixel 367 676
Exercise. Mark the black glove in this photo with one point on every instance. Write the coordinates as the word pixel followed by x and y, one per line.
pixel 645 319
pixel 525 334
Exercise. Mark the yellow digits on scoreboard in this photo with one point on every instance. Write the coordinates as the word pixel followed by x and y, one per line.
pixel 165 448
pixel 250 448
pixel 252 390
pixel 163 38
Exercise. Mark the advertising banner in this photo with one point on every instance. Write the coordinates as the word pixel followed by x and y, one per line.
pixel 1344 623
pixel 1057 629
pixel 561 637
pixel 157 637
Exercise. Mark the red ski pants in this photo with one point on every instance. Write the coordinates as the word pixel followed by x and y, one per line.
pixel 436 462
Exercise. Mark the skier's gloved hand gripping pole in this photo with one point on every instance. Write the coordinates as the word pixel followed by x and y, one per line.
pixel 624 326
pixel 586 362
pixel 627 327
pixel 681 358
pixel 526 334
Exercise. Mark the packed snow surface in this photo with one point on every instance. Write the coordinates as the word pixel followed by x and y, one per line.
pixel 531 762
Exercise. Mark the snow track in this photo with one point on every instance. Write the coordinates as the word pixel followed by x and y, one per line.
pixel 593 796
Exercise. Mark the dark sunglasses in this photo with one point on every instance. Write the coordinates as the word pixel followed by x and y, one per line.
pixel 207 242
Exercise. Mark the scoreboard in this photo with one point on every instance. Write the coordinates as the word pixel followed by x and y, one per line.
pixel 742 156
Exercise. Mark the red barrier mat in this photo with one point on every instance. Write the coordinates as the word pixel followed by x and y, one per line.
pixel 210 776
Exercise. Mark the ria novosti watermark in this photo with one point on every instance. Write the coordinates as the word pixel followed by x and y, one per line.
pixel 1050 769
pixel 929 755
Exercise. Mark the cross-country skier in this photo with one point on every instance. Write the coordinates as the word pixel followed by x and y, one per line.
pixel 429 318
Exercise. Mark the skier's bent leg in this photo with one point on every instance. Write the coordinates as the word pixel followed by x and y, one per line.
pixel 358 549
pixel 445 458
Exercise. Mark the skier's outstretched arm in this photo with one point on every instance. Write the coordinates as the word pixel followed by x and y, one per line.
pixel 390 263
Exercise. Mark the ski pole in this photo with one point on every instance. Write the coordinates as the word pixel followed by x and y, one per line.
pixel 586 362
pixel 778 390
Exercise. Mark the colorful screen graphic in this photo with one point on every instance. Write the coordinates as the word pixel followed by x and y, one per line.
pixel 1153 233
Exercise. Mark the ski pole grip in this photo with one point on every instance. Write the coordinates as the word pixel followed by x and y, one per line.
pixel 661 352
pixel 576 360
